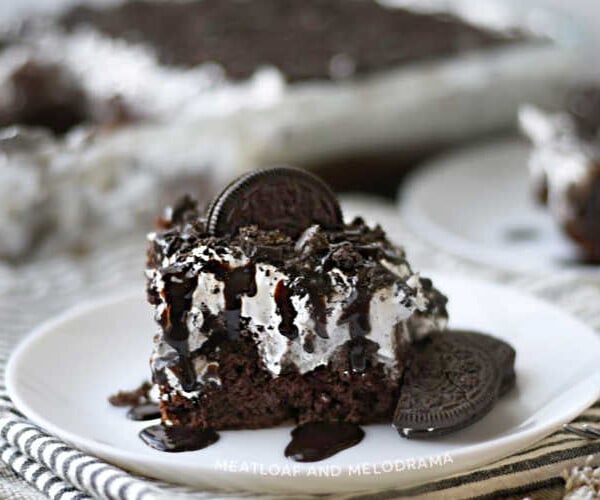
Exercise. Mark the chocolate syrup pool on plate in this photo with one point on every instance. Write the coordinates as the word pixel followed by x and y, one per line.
pixel 320 440
pixel 177 438
pixel 310 442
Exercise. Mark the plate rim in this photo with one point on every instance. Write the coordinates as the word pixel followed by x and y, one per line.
pixel 108 453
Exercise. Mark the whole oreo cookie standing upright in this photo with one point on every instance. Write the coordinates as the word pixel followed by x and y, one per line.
pixel 283 198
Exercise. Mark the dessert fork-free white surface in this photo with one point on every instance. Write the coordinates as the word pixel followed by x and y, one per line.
pixel 61 376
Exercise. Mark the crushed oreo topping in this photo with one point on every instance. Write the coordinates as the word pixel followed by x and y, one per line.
pixel 311 39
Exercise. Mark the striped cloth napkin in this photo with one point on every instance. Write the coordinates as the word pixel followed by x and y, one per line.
pixel 38 465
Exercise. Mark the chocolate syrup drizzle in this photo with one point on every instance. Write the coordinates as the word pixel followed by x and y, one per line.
pixel 237 282
pixel 357 316
pixel 356 313
pixel 317 286
pixel 310 442
pixel 178 291
pixel 285 308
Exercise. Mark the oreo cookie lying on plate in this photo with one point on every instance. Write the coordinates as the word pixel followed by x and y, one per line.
pixel 453 379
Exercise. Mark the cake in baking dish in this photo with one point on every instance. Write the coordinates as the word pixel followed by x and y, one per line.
pixel 138 99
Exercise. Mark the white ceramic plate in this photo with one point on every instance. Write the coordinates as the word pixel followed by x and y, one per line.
pixel 61 376
pixel 476 203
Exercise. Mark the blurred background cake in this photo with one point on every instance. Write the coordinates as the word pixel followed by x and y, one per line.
pixel 565 165
pixel 112 109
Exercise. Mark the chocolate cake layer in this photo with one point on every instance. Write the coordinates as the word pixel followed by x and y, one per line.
pixel 311 39
pixel 249 397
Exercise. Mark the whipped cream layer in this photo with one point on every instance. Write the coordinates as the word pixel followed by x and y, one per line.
pixel 356 294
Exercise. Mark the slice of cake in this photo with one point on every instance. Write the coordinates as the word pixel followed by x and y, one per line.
pixel 565 165
pixel 272 308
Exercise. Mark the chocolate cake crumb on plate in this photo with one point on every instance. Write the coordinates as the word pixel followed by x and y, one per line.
pixel 132 398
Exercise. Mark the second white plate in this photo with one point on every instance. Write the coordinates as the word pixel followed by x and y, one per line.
pixel 477 203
